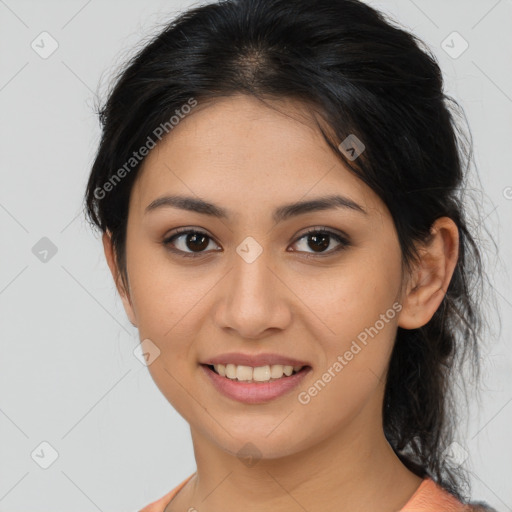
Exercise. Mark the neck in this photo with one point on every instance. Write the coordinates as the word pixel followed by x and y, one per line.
pixel 353 470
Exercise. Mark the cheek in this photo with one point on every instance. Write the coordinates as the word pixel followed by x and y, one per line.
pixel 354 370
pixel 164 293
pixel 353 296
pixel 361 311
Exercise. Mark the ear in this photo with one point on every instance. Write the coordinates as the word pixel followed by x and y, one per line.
pixel 116 274
pixel 429 282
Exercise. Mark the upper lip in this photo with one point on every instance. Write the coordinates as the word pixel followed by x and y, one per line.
pixel 254 360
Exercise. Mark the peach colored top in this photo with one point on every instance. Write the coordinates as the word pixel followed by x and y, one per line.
pixel 428 497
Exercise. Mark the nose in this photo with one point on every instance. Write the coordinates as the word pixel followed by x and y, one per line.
pixel 254 301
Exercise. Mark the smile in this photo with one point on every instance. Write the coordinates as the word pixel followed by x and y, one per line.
pixel 267 373
pixel 254 385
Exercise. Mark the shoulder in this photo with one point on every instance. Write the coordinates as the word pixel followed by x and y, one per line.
pixel 160 504
pixel 431 496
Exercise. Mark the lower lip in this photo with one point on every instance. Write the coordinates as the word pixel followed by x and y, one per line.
pixel 254 392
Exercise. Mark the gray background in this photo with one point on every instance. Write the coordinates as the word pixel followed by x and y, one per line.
pixel 68 375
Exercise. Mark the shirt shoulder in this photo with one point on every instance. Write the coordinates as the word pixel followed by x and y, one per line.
pixel 160 504
pixel 431 496
pixel 428 497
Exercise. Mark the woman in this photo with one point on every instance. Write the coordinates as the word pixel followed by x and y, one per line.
pixel 278 185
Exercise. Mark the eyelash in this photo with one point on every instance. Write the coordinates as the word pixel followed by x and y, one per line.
pixel 344 242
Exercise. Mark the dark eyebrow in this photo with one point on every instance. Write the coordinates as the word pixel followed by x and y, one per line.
pixel 282 213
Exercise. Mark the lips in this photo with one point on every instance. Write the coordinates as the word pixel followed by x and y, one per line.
pixel 240 359
pixel 253 393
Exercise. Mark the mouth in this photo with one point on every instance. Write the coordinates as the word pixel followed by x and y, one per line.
pixel 254 385
pixel 258 374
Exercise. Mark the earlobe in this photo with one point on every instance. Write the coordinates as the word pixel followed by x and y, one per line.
pixel 431 278
pixel 116 275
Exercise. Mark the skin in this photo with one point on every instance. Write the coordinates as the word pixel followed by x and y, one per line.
pixel 328 455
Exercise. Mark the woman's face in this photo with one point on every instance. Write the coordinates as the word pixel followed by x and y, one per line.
pixel 258 284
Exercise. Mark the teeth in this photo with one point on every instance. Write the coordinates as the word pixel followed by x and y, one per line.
pixel 258 374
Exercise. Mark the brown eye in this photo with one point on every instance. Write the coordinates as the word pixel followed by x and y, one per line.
pixel 318 240
pixel 188 243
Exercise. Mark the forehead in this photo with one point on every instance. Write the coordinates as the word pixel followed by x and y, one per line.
pixel 242 152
